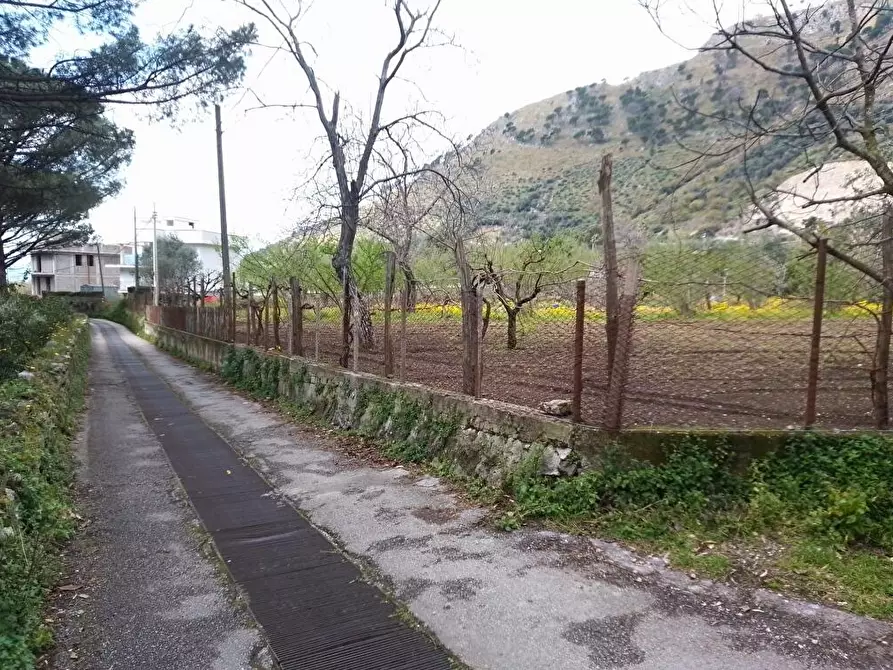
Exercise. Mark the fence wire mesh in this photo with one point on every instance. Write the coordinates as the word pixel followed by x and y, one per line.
pixel 720 335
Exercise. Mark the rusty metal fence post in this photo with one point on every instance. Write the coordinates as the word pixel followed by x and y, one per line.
pixel 266 319
pixel 296 343
pixel 249 307
pixel 234 313
pixel 815 343
pixel 577 401
pixel 354 316
pixel 390 269
pixel 317 315
pixel 479 323
pixel 404 309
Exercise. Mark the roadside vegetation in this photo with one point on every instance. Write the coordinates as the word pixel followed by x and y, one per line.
pixel 25 326
pixel 120 312
pixel 38 419
pixel 814 519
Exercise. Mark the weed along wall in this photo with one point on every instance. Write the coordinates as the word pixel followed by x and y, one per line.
pixel 482 438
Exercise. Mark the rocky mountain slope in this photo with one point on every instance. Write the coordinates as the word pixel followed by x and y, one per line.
pixel 543 159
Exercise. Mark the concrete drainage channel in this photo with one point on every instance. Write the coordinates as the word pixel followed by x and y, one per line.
pixel 313 604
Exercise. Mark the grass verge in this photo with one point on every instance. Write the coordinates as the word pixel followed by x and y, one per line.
pixel 814 519
pixel 38 420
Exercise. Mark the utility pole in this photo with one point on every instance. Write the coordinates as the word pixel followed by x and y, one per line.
pixel 99 262
pixel 224 235
pixel 136 260
pixel 157 291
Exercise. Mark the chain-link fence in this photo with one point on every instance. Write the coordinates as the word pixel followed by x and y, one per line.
pixel 713 334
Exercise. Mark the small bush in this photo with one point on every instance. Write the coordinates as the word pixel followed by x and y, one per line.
pixel 837 488
pixel 844 485
pixel 694 477
pixel 121 313
pixel 26 324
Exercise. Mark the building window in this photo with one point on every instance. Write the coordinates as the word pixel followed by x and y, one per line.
pixel 39 263
pixel 170 223
pixel 90 260
pixel 78 260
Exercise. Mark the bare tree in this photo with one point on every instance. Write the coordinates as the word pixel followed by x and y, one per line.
pixel 453 222
pixel 825 77
pixel 519 273
pixel 400 207
pixel 357 151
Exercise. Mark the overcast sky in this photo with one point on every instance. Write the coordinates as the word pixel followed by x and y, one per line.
pixel 514 52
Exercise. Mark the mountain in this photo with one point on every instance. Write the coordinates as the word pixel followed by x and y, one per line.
pixel 543 159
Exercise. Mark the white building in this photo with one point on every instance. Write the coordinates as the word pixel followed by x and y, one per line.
pixel 75 269
pixel 205 242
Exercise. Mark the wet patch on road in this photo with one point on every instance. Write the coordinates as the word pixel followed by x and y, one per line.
pixel 460 589
pixel 609 640
pixel 399 542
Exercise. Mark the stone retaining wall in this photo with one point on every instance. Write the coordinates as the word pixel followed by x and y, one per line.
pixel 482 438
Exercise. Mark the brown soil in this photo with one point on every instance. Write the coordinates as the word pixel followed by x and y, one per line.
pixel 747 374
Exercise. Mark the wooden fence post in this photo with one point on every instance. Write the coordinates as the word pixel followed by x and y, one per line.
pixel 296 347
pixel 815 343
pixel 577 401
pixel 616 394
pixel 277 343
pixel 612 304
pixel 390 269
pixel 881 361
pixel 470 342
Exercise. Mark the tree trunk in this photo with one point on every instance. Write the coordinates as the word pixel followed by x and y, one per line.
pixel 512 328
pixel 346 335
pixel 350 218
pixel 259 324
pixel 367 333
pixel 412 297
pixel 880 369
pixel 470 319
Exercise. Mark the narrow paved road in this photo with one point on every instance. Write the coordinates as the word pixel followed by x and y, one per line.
pixel 141 592
pixel 314 606
pixel 519 601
